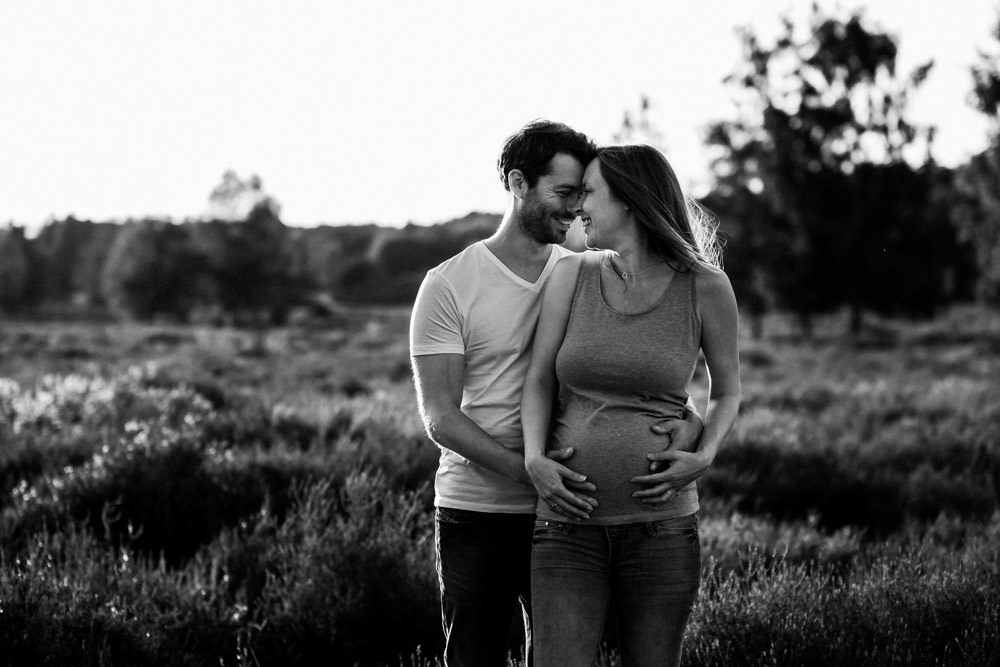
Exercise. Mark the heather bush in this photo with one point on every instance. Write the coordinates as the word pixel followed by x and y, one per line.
pixel 68 600
pixel 161 496
pixel 167 500
pixel 911 604
pixel 732 541
pixel 64 421
pixel 350 577
pixel 347 575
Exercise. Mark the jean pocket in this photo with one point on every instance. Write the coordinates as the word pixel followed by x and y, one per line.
pixel 545 527
pixel 677 526
pixel 456 517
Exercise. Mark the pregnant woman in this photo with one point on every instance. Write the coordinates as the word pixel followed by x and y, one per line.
pixel 616 345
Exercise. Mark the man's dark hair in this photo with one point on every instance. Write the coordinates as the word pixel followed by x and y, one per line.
pixel 531 148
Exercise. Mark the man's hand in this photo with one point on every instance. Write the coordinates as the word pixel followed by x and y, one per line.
pixel 558 486
pixel 683 434
pixel 681 468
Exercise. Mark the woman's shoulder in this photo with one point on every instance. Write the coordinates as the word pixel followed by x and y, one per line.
pixel 711 283
pixel 565 273
pixel 569 265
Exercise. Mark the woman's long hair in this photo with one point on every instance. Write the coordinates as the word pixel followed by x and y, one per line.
pixel 679 231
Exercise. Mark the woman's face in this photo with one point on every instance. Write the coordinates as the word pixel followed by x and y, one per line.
pixel 602 215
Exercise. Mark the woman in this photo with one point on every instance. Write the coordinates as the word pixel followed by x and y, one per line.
pixel 618 339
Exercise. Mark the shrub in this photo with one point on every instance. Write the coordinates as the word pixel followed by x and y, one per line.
pixel 160 497
pixel 350 577
pixel 912 605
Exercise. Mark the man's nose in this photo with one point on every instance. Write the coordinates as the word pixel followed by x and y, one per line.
pixel 576 202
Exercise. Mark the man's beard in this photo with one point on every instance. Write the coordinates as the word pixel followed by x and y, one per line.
pixel 536 222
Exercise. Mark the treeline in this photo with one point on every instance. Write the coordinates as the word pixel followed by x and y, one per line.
pixel 829 197
pixel 256 270
pixel 830 194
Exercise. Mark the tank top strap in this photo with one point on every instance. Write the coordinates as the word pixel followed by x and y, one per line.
pixel 683 286
pixel 588 283
pixel 588 278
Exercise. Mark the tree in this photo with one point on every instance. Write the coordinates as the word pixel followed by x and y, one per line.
pixel 59 245
pixel 15 269
pixel 153 269
pixel 234 198
pixel 977 213
pixel 251 265
pixel 822 141
pixel 638 128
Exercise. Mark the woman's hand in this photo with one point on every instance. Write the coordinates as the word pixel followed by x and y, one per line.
pixel 682 468
pixel 550 479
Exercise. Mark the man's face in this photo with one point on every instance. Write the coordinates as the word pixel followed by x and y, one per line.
pixel 547 208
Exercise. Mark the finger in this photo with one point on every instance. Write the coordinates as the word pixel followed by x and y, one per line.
pixel 659 500
pixel 559 454
pixel 664 455
pixel 561 506
pixel 653 491
pixel 655 478
pixel 580 486
pixel 567 498
pixel 664 427
pixel 569 475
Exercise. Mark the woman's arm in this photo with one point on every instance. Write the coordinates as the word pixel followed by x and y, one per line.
pixel 550 477
pixel 719 342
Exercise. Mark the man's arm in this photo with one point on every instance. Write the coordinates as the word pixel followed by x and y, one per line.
pixel 683 435
pixel 439 379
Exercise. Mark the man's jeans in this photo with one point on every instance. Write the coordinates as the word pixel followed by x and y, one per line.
pixel 484 569
pixel 649 572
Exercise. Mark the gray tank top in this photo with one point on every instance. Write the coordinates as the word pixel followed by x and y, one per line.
pixel 618 375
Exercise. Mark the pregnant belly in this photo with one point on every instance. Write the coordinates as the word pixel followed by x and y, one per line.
pixel 610 449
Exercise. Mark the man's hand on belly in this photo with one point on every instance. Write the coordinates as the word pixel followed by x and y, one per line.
pixel 682 436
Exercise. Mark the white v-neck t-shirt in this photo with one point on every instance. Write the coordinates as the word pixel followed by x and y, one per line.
pixel 473 305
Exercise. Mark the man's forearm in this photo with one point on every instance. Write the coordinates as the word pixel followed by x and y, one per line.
pixel 455 431
pixel 720 419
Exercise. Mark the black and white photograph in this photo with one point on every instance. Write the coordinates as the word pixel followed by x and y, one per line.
pixel 453 333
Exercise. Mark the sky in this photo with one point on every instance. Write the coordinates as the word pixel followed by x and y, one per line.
pixel 386 111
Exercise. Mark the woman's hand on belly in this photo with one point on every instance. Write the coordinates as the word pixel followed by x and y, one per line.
pixel 682 469
pixel 550 479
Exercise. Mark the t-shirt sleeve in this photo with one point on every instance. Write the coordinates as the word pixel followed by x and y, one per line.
pixel 436 323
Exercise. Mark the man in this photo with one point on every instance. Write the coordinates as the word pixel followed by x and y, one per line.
pixel 470 339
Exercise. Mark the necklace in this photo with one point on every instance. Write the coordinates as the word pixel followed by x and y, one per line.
pixel 624 275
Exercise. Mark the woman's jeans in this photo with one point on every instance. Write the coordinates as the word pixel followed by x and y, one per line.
pixel 649 572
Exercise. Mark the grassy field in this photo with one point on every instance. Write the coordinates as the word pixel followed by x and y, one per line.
pixel 195 496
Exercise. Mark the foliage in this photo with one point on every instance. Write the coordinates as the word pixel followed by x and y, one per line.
pixel 909 605
pixel 817 160
pixel 234 198
pixel 153 269
pixel 250 265
pixel 169 499
pixel 15 270
pixel 976 209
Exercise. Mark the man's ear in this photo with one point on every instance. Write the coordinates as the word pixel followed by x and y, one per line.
pixel 517 183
